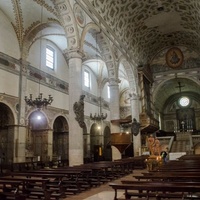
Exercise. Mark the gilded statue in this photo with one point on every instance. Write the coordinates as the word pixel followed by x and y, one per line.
pixel 154 145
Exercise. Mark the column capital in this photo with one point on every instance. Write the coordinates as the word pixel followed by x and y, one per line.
pixel 24 65
pixel 114 81
pixel 73 53
pixel 133 96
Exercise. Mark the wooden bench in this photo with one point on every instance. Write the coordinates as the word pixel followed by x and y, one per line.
pixel 38 185
pixel 168 177
pixel 159 189
pixel 9 189
pixel 72 180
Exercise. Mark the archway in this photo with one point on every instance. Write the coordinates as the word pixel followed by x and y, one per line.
pixel 60 139
pixel 37 138
pixel 6 134
pixel 96 143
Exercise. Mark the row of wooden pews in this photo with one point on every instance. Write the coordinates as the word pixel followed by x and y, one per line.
pixel 58 183
pixel 178 179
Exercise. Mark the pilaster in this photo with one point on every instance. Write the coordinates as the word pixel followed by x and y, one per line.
pixel 22 92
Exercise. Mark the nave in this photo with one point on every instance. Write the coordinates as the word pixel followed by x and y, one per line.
pixel 116 180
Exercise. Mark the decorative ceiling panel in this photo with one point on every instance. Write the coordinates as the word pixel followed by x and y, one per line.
pixel 151 25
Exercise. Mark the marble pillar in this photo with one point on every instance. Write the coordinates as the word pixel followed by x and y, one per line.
pixel 75 91
pixel 20 130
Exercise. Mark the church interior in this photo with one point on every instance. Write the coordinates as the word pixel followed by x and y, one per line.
pixel 93 81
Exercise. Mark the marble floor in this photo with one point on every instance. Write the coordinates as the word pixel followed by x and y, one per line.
pixel 103 192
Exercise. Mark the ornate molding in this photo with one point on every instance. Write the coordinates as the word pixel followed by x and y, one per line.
pixel 79 111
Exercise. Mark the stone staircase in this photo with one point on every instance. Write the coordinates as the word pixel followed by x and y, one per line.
pixel 182 143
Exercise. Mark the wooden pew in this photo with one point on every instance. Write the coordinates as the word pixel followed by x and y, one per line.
pixel 160 190
pixel 9 189
pixel 174 195
pixel 168 177
pixel 72 180
pixel 40 185
pixel 180 165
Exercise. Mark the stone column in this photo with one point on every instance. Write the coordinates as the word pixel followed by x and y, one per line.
pixel 50 144
pixel 114 104
pixel 19 143
pixel 20 129
pixel 135 110
pixel 75 91
pixel 114 112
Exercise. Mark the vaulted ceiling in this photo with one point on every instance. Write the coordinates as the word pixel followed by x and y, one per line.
pixel 145 27
pixel 27 15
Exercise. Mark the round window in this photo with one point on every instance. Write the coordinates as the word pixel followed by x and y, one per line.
pixel 184 101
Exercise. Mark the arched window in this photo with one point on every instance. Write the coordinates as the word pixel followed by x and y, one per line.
pixel 50 57
pixel 108 91
pixel 87 79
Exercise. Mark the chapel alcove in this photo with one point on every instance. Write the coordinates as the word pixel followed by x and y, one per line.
pixel 6 134
pixel 96 143
pixel 60 139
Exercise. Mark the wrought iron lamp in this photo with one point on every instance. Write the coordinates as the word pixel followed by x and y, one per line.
pixel 98 116
pixel 38 102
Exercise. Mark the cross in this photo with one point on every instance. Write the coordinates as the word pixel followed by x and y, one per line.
pixel 180 86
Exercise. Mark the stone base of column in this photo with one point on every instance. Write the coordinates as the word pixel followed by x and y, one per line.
pixel 75 157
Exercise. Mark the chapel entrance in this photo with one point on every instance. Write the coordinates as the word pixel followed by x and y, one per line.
pixel 60 139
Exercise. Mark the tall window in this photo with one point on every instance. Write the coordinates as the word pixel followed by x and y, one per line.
pixel 108 90
pixel 86 79
pixel 50 57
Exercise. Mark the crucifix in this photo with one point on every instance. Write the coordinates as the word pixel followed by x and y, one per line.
pixel 180 86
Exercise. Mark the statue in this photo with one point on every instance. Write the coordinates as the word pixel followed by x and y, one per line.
pixel 135 127
pixel 154 145
pixel 79 111
pixel 151 141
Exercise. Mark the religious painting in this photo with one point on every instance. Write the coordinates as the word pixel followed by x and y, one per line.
pixel 174 57
pixel 79 15
pixel 125 99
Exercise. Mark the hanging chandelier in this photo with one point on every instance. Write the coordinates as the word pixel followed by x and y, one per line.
pixel 98 117
pixel 38 102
